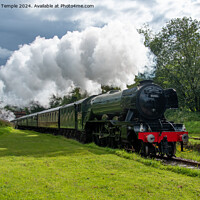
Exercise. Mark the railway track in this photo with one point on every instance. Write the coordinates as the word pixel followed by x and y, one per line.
pixel 194 138
pixel 179 161
pixel 175 161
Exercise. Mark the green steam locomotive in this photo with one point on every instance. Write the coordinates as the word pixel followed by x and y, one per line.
pixel 132 119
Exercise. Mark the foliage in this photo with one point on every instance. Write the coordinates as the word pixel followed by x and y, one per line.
pixel 190 119
pixel 141 77
pixel 74 96
pixel 55 101
pixel 107 88
pixel 11 108
pixel 43 166
pixel 34 107
pixel 177 47
pixel 180 116
pixel 4 123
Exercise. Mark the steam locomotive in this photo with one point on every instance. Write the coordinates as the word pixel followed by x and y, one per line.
pixel 132 119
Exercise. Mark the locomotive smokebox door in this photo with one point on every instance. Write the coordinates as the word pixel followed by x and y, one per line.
pixel 171 98
pixel 151 101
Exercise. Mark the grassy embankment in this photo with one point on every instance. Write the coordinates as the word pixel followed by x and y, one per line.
pixel 43 166
pixel 192 123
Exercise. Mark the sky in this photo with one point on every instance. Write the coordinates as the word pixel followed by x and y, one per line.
pixel 45 51
pixel 21 26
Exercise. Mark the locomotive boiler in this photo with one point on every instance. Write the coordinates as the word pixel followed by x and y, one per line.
pixel 148 101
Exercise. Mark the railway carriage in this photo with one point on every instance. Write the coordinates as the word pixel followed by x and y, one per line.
pixel 22 122
pixel 74 117
pixel 48 120
pixel 32 121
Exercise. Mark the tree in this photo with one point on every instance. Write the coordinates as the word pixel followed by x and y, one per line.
pixel 177 47
pixel 55 101
pixel 146 75
pixel 74 96
pixel 35 107
pixel 107 88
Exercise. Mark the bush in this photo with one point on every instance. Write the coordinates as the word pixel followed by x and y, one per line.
pixel 4 123
pixel 181 116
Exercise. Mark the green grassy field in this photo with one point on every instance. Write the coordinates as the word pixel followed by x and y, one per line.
pixel 43 166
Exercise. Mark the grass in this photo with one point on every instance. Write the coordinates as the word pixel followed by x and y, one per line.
pixel 43 166
pixel 190 119
pixel 193 127
pixel 190 151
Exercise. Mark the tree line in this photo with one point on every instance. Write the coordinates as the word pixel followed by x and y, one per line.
pixel 177 52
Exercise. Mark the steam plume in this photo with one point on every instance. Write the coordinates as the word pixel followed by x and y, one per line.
pixel 111 55
pixel 6 114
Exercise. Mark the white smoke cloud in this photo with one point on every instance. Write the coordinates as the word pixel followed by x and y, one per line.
pixel 111 55
pixel 6 115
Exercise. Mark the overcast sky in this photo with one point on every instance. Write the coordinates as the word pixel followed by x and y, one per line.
pixel 20 26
